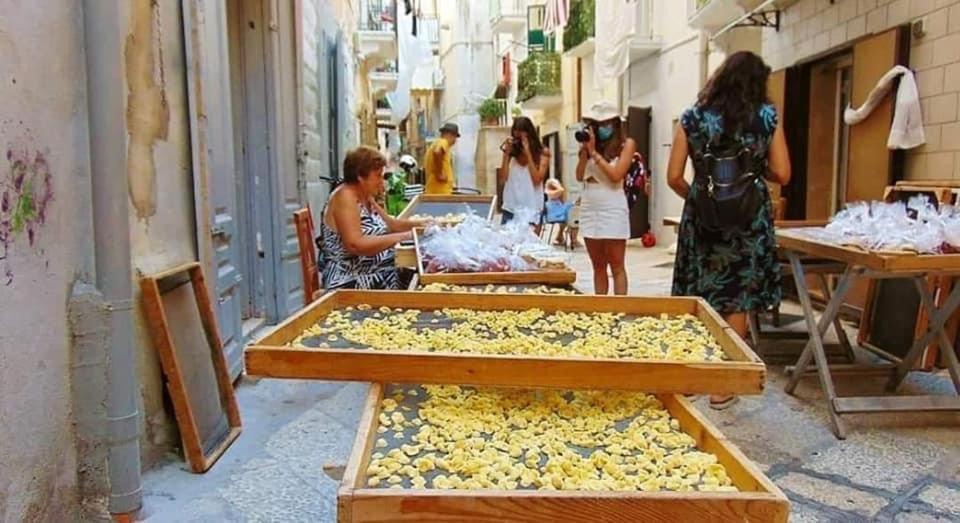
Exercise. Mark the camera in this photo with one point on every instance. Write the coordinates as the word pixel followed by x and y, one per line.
pixel 513 147
pixel 581 135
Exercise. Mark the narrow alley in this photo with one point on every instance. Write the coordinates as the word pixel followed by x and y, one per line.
pixel 480 260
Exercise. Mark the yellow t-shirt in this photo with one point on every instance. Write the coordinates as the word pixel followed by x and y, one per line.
pixel 432 166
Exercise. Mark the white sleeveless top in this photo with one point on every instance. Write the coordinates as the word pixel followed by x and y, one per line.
pixel 519 191
pixel 603 206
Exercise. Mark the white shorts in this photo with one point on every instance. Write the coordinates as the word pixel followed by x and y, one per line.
pixel 604 214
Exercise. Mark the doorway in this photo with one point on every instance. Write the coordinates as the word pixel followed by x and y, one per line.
pixel 829 137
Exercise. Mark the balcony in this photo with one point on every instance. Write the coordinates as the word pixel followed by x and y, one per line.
pixel 579 38
pixel 428 77
pixel 429 30
pixel 538 82
pixel 383 110
pixel 383 79
pixel 376 36
pixel 508 16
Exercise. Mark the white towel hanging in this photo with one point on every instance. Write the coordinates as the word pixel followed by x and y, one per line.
pixel 906 132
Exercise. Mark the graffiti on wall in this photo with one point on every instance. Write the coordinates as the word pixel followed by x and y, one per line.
pixel 26 191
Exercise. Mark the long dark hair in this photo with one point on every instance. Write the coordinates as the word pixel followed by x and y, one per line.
pixel 737 90
pixel 524 124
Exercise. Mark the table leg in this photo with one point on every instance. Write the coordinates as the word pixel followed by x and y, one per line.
pixel 837 324
pixel 935 327
pixel 814 348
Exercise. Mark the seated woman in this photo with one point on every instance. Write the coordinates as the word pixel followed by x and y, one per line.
pixel 357 237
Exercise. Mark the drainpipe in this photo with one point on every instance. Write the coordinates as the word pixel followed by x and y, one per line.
pixel 104 43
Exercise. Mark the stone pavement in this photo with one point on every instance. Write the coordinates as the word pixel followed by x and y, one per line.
pixel 890 468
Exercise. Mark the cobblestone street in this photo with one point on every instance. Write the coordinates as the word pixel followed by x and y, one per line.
pixel 890 468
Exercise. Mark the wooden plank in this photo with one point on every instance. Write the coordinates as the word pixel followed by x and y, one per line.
pixel 309 272
pixel 743 472
pixel 199 459
pixel 360 455
pixel 881 262
pixel 370 505
pixel 418 201
pixel 759 499
pixel 559 277
pixel 870 163
pixel 636 305
pixel 954 184
pixel 730 341
pixel 659 376
pixel 874 404
pixel 297 323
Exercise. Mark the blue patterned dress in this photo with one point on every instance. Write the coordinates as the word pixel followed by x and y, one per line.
pixel 738 270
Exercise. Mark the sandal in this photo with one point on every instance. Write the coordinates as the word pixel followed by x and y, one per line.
pixel 723 403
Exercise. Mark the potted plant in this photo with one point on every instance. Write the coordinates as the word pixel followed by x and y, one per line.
pixel 491 111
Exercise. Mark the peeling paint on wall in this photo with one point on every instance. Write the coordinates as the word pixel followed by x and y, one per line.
pixel 26 191
pixel 148 114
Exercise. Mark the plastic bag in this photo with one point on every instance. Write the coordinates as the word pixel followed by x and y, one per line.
pixel 476 245
pixel 916 226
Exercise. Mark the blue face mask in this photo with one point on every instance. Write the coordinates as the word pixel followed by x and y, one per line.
pixel 604 133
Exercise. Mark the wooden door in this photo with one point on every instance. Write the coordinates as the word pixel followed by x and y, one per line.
pixel 214 168
pixel 871 166
pixel 776 91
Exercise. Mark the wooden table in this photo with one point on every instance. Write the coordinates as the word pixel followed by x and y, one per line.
pixel 873 265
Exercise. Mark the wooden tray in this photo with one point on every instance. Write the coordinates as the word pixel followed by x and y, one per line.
pixel 886 262
pixel 552 277
pixel 440 205
pixel 743 373
pixel 759 499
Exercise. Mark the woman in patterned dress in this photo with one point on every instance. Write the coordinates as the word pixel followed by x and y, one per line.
pixel 736 269
pixel 357 237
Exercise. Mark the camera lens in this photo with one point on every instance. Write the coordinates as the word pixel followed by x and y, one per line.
pixel 581 136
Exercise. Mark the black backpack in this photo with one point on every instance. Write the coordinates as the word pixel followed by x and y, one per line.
pixel 728 195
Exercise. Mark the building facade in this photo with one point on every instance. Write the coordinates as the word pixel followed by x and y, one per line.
pixel 170 132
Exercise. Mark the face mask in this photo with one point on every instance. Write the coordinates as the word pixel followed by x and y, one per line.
pixel 604 133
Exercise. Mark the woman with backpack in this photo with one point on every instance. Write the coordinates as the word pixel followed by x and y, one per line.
pixel 726 249
pixel 605 158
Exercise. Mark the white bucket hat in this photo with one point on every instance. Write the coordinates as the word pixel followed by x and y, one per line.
pixel 602 111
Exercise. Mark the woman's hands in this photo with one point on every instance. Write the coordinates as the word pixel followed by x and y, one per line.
pixel 591 143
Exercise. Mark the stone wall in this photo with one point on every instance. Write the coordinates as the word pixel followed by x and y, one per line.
pixel 811 27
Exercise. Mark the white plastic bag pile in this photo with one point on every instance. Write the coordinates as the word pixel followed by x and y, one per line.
pixel 915 226
pixel 476 245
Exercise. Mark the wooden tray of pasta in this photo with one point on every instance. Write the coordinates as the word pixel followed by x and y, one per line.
pixel 658 345
pixel 447 453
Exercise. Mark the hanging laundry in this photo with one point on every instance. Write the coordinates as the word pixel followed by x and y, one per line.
pixel 615 24
pixel 557 15
pixel 906 131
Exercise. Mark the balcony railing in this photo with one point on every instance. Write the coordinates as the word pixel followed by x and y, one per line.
pixel 580 25
pixel 539 75
pixel 430 29
pixel 512 8
pixel 378 15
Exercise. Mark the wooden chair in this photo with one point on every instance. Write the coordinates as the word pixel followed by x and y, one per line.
pixel 303 221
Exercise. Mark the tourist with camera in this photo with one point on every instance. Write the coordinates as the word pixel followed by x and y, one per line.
pixel 526 162
pixel 605 158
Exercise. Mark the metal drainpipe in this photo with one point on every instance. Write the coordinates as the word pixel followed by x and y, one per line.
pixel 104 43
